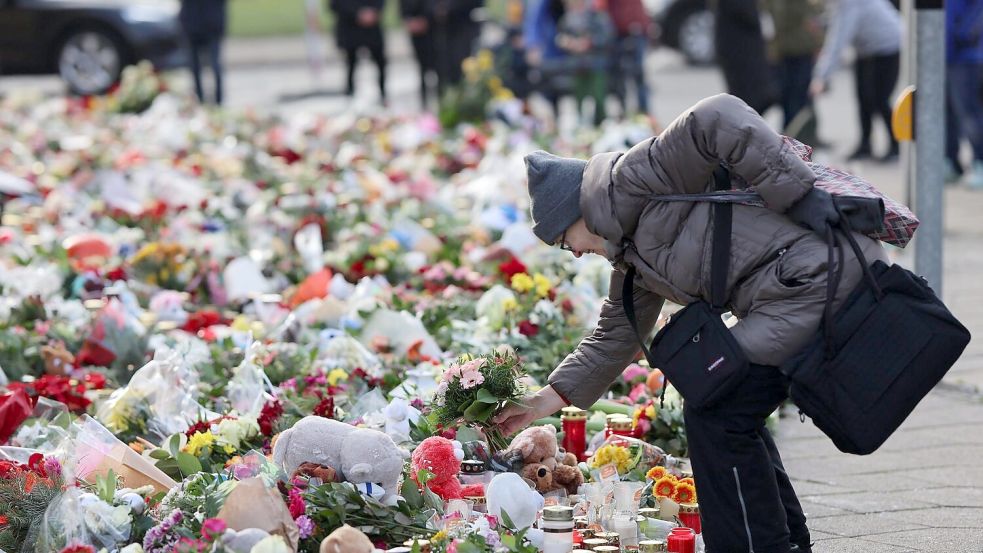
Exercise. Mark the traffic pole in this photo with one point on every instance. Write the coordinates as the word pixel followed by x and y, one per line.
pixel 926 126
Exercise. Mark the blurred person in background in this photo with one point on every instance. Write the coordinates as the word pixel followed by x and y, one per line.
pixel 544 57
pixel 418 18
pixel 964 79
pixel 633 27
pixel 586 34
pixel 455 33
pixel 204 23
pixel 741 53
pixel 873 29
pixel 797 41
pixel 358 27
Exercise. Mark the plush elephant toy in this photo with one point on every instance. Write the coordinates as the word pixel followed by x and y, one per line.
pixel 358 455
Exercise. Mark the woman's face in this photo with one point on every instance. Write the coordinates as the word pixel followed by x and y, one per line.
pixel 578 240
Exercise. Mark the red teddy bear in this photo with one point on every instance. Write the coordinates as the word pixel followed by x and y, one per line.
pixel 441 457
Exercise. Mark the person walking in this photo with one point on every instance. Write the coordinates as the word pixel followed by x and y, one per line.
pixel 741 53
pixel 873 29
pixel 586 34
pixel 633 28
pixel 418 18
pixel 964 79
pixel 358 27
pixel 776 287
pixel 792 50
pixel 204 23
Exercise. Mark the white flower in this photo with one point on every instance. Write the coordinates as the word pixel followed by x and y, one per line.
pixel 234 431
pixel 492 305
pixel 271 544
pixel 132 548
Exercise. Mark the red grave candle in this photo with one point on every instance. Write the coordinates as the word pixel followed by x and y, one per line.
pixel 575 431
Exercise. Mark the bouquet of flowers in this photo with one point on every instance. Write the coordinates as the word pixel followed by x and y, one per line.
pixel 475 388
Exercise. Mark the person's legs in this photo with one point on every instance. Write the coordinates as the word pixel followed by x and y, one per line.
pixel 378 51
pixel 423 59
pixel 639 44
pixel 864 74
pixel 967 106
pixel 796 519
pixel 886 70
pixel 215 59
pixel 351 58
pixel 599 91
pixel 742 496
pixel 195 48
pixel 797 74
pixel 581 89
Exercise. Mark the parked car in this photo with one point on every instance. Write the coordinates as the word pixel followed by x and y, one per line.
pixel 88 42
pixel 687 26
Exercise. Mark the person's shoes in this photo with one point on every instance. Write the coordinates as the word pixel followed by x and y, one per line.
pixel 800 549
pixel 975 177
pixel 860 154
pixel 892 154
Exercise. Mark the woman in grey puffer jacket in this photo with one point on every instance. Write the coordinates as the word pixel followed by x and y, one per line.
pixel 776 286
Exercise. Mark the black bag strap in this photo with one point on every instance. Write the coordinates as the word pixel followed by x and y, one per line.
pixel 719 260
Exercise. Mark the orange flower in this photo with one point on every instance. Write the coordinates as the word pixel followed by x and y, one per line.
pixel 136 446
pixel 665 486
pixel 655 473
pixel 685 493
pixel 688 481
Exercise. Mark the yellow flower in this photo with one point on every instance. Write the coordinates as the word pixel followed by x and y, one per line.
pixel 240 324
pixel 522 283
pixel 229 450
pixel 439 537
pixel 382 248
pixel 543 285
pixel 485 60
pixel 650 412
pixel 470 67
pixel 495 85
pixel 336 376
pixel 655 473
pixel 199 441
pixel 509 304
pixel 612 454
pixel 665 486
pixel 685 493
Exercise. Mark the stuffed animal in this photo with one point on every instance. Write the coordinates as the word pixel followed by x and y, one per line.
pixel 358 455
pixel 399 414
pixel 539 450
pixel 57 360
pixel 347 540
pixel 321 473
pixel 443 458
pixel 508 493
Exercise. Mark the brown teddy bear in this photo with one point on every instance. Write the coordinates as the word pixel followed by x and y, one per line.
pixel 544 463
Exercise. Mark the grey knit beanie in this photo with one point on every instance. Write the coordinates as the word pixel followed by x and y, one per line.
pixel 554 193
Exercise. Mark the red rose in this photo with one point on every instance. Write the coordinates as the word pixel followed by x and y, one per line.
pixel 325 408
pixel 15 408
pixel 93 354
pixel 511 267
pixel 528 329
pixel 94 380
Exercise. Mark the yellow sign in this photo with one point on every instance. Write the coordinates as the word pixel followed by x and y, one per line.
pixel 903 118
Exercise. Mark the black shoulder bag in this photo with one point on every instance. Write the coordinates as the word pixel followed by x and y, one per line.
pixel 695 350
pixel 889 344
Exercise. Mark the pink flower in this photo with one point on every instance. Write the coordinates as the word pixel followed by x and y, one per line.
pixel 634 371
pixel 306 526
pixel 470 379
pixel 212 528
pixel 452 372
pixel 637 391
pixel 452 546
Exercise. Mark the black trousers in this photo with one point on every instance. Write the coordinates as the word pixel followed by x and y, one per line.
pixel 378 52
pixel 876 78
pixel 210 48
pixel 746 498
pixel 794 74
pixel 424 51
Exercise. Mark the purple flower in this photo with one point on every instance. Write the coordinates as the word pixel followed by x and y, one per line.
pixel 306 526
pixel 159 539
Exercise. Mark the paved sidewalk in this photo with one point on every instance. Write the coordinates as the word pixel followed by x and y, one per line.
pixel 923 491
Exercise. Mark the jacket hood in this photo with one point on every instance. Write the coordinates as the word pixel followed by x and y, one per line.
pixel 597 204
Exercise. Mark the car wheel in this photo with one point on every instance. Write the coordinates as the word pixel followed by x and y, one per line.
pixel 90 61
pixel 695 36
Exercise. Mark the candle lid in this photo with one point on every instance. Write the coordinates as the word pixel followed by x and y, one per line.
pixel 607 549
pixel 472 466
pixel 558 513
pixel 620 424
pixel 572 413
pixel 616 416
pixel 594 542
pixel 690 508
pixel 475 498
pixel 651 546
pixel 650 512
pixel 399 550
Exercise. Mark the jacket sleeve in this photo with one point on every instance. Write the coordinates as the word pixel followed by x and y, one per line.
pixel 718 129
pixel 843 28
pixel 584 376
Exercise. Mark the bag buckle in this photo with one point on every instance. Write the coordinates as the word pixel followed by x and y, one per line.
pixel 696 338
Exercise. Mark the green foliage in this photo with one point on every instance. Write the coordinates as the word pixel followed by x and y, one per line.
pixel 23 511
pixel 336 504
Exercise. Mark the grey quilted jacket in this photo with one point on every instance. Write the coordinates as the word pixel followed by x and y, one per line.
pixel 777 278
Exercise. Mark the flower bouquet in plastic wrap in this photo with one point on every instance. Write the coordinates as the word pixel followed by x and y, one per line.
pixel 473 389
pixel 632 457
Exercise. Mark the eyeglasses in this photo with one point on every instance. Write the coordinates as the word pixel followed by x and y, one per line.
pixel 563 243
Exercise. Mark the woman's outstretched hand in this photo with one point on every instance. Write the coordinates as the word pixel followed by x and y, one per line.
pixel 532 407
